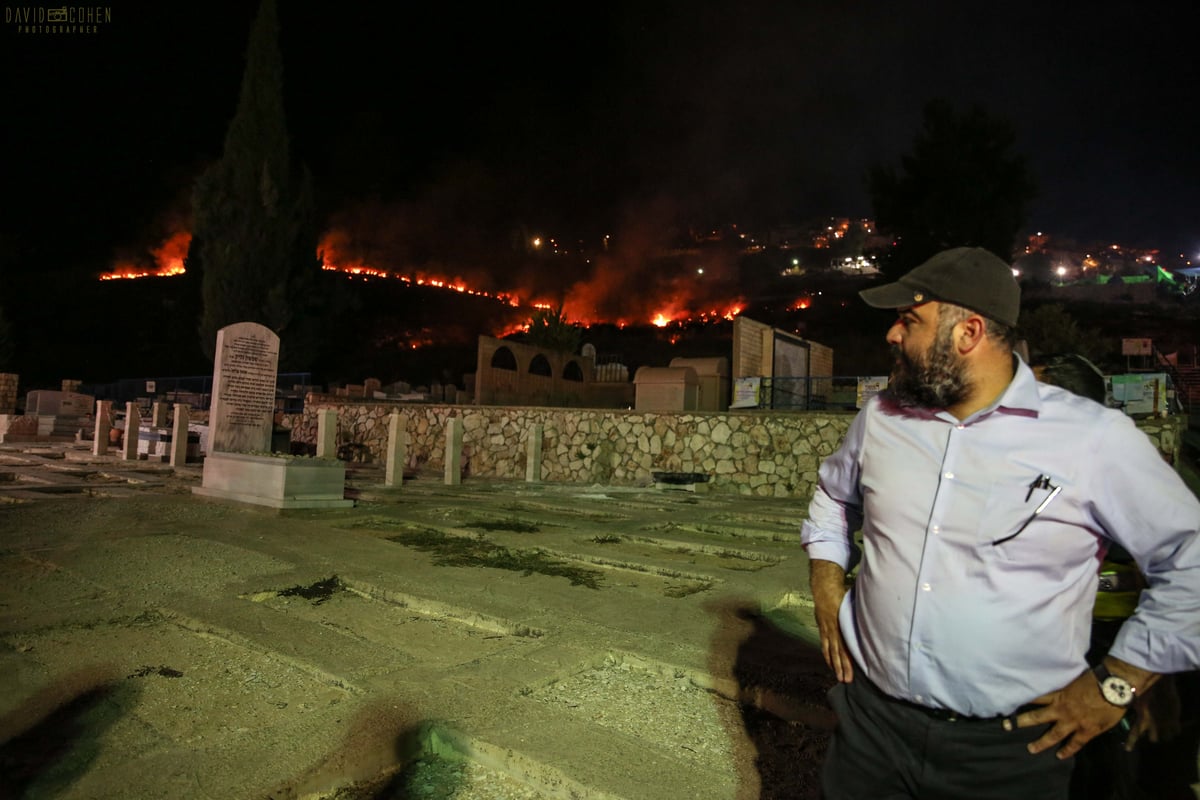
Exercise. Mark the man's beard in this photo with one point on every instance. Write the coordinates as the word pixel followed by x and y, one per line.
pixel 937 379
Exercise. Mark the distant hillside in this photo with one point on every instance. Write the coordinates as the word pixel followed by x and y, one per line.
pixel 99 331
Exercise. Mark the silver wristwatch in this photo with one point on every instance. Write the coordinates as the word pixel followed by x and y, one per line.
pixel 1116 690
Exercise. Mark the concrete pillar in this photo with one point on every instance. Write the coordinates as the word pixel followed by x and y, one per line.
pixel 533 454
pixel 179 436
pixel 327 433
pixel 133 424
pixel 8 392
pixel 159 413
pixel 454 441
pixel 103 426
pixel 397 447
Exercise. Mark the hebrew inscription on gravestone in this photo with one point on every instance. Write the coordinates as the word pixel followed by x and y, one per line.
pixel 242 414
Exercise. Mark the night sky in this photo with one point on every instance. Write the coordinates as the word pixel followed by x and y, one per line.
pixel 573 119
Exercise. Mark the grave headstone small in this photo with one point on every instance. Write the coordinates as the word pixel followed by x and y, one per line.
pixel 454 451
pixel 327 433
pixel 103 426
pixel 51 403
pixel 179 436
pixel 397 445
pixel 159 414
pixel 533 453
pixel 133 428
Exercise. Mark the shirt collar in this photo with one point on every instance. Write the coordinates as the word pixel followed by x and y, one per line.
pixel 1020 397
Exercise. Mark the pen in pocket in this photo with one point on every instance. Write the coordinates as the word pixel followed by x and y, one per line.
pixel 1041 507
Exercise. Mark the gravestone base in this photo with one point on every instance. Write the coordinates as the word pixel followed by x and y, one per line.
pixel 276 482
pixel 55 426
pixel 18 428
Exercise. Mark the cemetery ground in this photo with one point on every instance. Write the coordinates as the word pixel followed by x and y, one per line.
pixel 483 641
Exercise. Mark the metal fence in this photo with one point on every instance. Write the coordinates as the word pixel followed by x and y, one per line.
pixel 810 394
pixel 195 390
pixel 842 394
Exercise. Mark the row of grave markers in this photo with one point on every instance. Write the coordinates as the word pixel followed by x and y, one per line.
pixel 397 448
pixel 241 415
pixel 396 455
pixel 133 421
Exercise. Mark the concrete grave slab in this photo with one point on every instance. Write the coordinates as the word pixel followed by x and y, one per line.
pixel 275 481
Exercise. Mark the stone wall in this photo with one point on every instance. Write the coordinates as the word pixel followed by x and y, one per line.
pixel 751 452
pixel 8 392
pixel 1167 434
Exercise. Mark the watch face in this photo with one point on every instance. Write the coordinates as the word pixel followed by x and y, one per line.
pixel 1116 691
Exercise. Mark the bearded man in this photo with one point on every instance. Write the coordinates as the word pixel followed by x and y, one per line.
pixel 986 501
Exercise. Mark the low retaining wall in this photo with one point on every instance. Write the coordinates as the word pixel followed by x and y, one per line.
pixel 1167 435
pixel 762 453
pixel 753 453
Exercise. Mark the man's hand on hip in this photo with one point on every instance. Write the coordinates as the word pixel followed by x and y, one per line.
pixel 828 583
pixel 1079 713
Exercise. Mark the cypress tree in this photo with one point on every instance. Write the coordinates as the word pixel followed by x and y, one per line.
pixel 963 184
pixel 254 240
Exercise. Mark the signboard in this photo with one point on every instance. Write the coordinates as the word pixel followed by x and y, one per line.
pixel 1136 347
pixel 746 392
pixel 1140 393
pixel 869 387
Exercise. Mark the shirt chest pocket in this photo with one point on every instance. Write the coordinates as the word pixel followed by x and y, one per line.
pixel 1030 523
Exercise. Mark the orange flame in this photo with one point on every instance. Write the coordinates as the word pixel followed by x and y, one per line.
pixel 664 296
pixel 168 257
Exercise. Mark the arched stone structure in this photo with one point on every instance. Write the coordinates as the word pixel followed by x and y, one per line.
pixel 541 377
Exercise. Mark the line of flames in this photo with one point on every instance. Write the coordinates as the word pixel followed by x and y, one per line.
pixel 170 260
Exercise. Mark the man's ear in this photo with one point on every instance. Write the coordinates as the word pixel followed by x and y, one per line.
pixel 970 333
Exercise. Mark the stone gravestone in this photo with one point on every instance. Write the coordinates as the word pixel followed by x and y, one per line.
pixel 239 465
pixel 59 413
pixel 242 413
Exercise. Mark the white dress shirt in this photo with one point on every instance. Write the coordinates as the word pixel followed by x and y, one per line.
pixel 943 612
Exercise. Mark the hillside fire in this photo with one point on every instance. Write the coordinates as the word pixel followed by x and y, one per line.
pixel 620 290
pixel 168 261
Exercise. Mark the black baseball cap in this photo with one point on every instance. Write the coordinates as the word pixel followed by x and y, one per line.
pixel 971 277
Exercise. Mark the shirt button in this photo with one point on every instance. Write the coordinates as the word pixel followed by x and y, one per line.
pixel 926 587
pixel 919 699
pixel 949 476
pixel 961 427
pixel 936 529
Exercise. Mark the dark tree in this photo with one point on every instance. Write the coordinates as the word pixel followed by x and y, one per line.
pixel 550 329
pixel 254 241
pixel 962 185
pixel 1051 328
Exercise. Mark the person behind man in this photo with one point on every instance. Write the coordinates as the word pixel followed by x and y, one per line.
pixel 986 501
